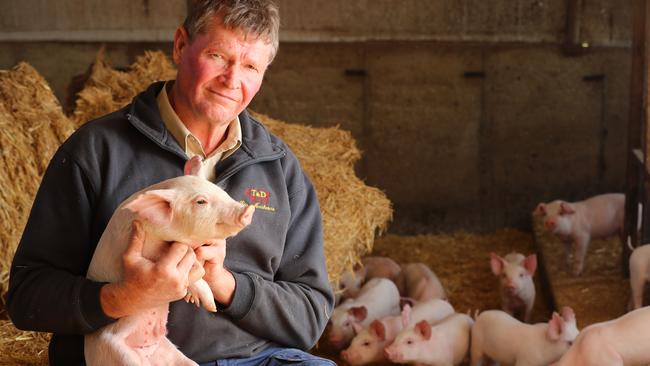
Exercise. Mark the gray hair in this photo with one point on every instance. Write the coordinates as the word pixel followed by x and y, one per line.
pixel 257 18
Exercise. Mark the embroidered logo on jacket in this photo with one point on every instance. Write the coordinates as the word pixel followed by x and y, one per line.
pixel 258 198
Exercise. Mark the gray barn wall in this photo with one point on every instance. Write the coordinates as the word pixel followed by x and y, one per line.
pixel 469 112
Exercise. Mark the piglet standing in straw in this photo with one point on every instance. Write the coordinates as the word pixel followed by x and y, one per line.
pixel 515 272
pixel 371 267
pixel 442 344
pixel 188 210
pixel 624 341
pixel 639 274
pixel 578 222
pixel 497 336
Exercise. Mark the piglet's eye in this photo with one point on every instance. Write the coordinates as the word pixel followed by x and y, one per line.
pixel 201 201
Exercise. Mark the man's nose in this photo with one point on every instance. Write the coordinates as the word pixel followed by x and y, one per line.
pixel 231 77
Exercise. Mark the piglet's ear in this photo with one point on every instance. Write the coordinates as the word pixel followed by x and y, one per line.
pixel 540 209
pixel 530 263
pixel 246 215
pixel 566 209
pixel 406 315
pixel 359 313
pixel 154 206
pixel 496 263
pixel 378 328
pixel 554 330
pixel 568 314
pixel 193 166
pixel 424 329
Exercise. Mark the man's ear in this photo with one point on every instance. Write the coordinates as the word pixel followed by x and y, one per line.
pixel 181 40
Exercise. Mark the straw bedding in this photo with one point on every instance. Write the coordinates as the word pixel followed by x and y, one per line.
pixel 32 126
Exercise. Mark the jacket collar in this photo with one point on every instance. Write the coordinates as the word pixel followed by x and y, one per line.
pixel 257 143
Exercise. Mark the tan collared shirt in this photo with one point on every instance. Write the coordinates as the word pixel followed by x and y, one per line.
pixel 191 144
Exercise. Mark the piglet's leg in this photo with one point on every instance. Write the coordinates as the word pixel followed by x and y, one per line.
pixel 581 244
pixel 199 293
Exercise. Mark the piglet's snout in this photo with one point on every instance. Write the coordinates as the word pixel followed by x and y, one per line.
pixel 549 224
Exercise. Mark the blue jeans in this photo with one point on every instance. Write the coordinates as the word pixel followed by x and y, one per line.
pixel 275 356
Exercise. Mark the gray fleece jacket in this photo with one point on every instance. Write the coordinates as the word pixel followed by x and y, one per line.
pixel 282 295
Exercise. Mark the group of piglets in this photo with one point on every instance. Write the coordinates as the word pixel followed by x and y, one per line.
pixel 370 327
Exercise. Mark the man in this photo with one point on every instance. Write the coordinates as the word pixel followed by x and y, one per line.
pixel 272 288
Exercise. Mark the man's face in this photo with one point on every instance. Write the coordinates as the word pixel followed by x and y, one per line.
pixel 219 72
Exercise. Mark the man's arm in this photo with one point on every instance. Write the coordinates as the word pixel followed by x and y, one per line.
pixel 292 310
pixel 48 290
pixel 147 284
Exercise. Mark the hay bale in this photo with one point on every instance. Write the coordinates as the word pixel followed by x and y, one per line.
pixel 32 126
pixel 107 89
pixel 353 213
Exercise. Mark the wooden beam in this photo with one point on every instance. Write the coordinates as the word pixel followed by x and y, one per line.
pixel 637 127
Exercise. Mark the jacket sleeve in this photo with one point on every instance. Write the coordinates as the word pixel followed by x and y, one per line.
pixel 292 310
pixel 48 290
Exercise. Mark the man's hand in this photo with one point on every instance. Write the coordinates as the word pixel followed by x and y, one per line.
pixel 147 284
pixel 221 281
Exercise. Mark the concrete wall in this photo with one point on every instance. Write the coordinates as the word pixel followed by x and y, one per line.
pixel 469 112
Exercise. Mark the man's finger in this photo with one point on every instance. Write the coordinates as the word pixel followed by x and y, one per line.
pixel 136 240
pixel 187 262
pixel 174 254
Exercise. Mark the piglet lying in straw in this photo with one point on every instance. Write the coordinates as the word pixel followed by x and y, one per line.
pixel 369 268
pixel 369 343
pixel 417 282
pixel 186 209
pixel 378 298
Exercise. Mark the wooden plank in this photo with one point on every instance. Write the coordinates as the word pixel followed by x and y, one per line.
pixel 637 127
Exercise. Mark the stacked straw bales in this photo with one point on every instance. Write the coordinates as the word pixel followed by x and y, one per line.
pixel 33 125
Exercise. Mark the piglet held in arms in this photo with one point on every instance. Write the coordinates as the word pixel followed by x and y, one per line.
pixel 188 210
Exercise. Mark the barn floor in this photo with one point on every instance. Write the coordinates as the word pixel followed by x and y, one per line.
pixel 461 261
